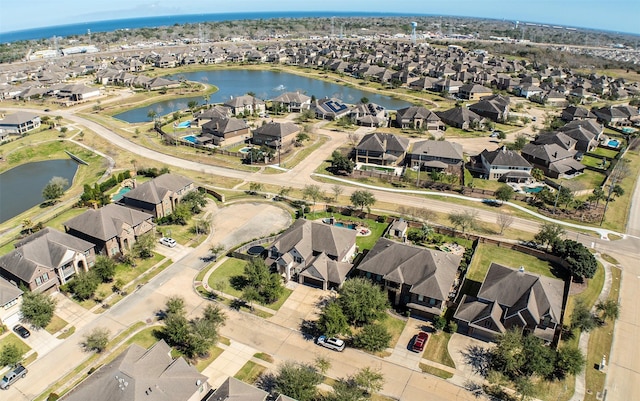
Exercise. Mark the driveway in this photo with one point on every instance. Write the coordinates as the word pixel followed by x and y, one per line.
pixel 401 354
pixel 301 305
pixel 468 355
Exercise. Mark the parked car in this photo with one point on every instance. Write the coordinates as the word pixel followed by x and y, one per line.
pixel 333 343
pixel 19 372
pixel 21 331
pixel 166 241
pixel 419 342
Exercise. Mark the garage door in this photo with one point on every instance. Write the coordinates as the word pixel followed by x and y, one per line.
pixel 312 282
pixel 12 320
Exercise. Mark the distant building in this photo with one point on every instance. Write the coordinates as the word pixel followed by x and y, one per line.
pixel 19 123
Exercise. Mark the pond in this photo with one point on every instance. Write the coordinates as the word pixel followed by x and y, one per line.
pixel 265 85
pixel 21 187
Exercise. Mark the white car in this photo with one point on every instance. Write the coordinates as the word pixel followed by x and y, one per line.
pixel 166 241
pixel 333 343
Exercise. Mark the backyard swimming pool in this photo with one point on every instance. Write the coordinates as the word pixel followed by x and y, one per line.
pixel 532 190
pixel 350 226
pixel 246 149
pixel 120 194
pixel 184 124
pixel 613 143
pixel 190 138
pixel 628 130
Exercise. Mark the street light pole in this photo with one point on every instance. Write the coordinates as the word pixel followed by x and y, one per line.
pixel 419 168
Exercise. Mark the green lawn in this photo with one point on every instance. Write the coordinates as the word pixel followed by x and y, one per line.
pixel 592 162
pixel 230 268
pixel 55 325
pixel 443 374
pixel 394 326
pixel 436 349
pixel 377 229
pixel 587 180
pixel 485 254
pixel 250 372
pixel 12 339
pixel 605 152
pixel 214 352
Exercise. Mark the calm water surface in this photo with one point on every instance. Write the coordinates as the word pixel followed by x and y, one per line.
pixel 265 85
pixel 21 187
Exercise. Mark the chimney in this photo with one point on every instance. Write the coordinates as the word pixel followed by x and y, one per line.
pixel 555 154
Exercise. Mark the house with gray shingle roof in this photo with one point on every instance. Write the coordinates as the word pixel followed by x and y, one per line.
pixel 461 117
pixel 19 123
pixel 314 253
pixel 160 196
pixel 113 228
pixel 419 117
pixel 382 148
pixel 293 101
pixel 233 389
pixel 493 107
pixel 10 301
pixel 276 134
pixel 503 165
pixel 46 259
pixel 419 278
pixel 436 155
pixel 139 374
pixel 217 130
pixel 510 298
pixel 245 104
pixel 474 92
pixel 554 160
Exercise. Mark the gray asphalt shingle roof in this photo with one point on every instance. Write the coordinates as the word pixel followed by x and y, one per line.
pixel 106 223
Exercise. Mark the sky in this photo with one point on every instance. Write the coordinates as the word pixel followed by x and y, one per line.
pixel 611 15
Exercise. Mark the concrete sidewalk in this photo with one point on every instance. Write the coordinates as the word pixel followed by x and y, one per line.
pixel 232 359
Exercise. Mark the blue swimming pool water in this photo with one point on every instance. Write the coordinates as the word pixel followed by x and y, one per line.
pixel 121 193
pixel 628 130
pixel 245 150
pixel 340 224
pixel 533 190
pixel 184 124
pixel 614 143
pixel 190 138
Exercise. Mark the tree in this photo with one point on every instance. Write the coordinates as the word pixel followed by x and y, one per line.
pixel 267 285
pixel 525 387
pixel 250 294
pixel 341 164
pixel 579 261
pixel 464 220
pixel 504 221
pixel 582 318
pixel 27 226
pixel 569 361
pixel 337 191
pixel 152 114
pixel 105 268
pixel 312 191
pixel 176 329
pixel 597 195
pixel 362 199
pixel 369 380
pixel 439 323
pixel 96 340
pixel 192 104
pixel 362 301
pixel 549 233
pixel 539 358
pixel 617 190
pixel 373 337
pixel 298 381
pixel 506 356
pixel 537 174
pixel 144 245
pixel 54 189
pixel 10 355
pixel 332 320
pixel 174 305
pixel 84 285
pixel 502 135
pixel 255 187
pixel 284 192
pixel 504 193
pixel 609 309
pixel 37 308
pixel 196 200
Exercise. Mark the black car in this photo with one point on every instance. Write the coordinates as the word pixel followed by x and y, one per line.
pixel 22 331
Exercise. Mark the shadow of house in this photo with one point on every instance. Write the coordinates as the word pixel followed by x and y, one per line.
pixel 510 298
pixel 324 250
pixel 419 279
pixel 47 259
pixel 113 228
pixel 160 196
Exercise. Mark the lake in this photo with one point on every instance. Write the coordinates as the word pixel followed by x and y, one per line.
pixel 265 85
pixel 21 187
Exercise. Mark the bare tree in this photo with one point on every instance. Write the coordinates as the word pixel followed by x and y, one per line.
pixel 353 138
pixel 504 221
pixel 337 191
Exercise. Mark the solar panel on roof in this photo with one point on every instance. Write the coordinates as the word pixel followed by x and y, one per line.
pixel 335 107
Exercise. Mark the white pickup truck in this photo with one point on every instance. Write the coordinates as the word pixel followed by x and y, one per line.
pixel 19 372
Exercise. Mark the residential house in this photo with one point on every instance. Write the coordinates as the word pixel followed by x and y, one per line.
pixel 276 134
pixel 218 130
pixel 330 109
pixel 618 116
pixel 215 112
pixel 112 229
pixel 381 148
pixel 160 196
pixel 493 107
pixel 586 132
pixel 245 104
pixel 314 253
pixel 554 98
pixel 419 117
pixel 19 123
pixel 509 299
pixel 503 165
pixel 447 85
pixel 369 115
pixel 461 117
pixel 46 259
pixel 78 92
pixel 474 92
pixel 10 301
pixel 293 101
pixel 233 389
pixel 572 113
pixel 554 160
pixel 139 374
pixel 527 90
pixel 436 155
pixel 420 279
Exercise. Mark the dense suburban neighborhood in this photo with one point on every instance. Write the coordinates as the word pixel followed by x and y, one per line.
pixel 307 246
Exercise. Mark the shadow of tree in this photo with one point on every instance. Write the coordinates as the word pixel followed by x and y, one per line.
pixel 478 358
pixel 238 282
pixel 267 382
pixel 309 330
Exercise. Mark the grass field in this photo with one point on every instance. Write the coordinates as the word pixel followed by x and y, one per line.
pixel 55 325
pixel 377 229
pixel 443 374
pixel 250 372
pixel 436 349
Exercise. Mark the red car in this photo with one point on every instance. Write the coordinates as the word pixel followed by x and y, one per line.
pixel 420 341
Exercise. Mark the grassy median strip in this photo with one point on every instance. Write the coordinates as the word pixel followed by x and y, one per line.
pixel 432 370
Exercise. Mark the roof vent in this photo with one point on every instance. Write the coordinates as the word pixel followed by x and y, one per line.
pixel 521 269
pixel 198 382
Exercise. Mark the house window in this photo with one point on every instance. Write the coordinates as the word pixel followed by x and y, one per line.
pixel 38 281
pixel 421 298
pixel 10 303
pixel 432 301
pixel 45 277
